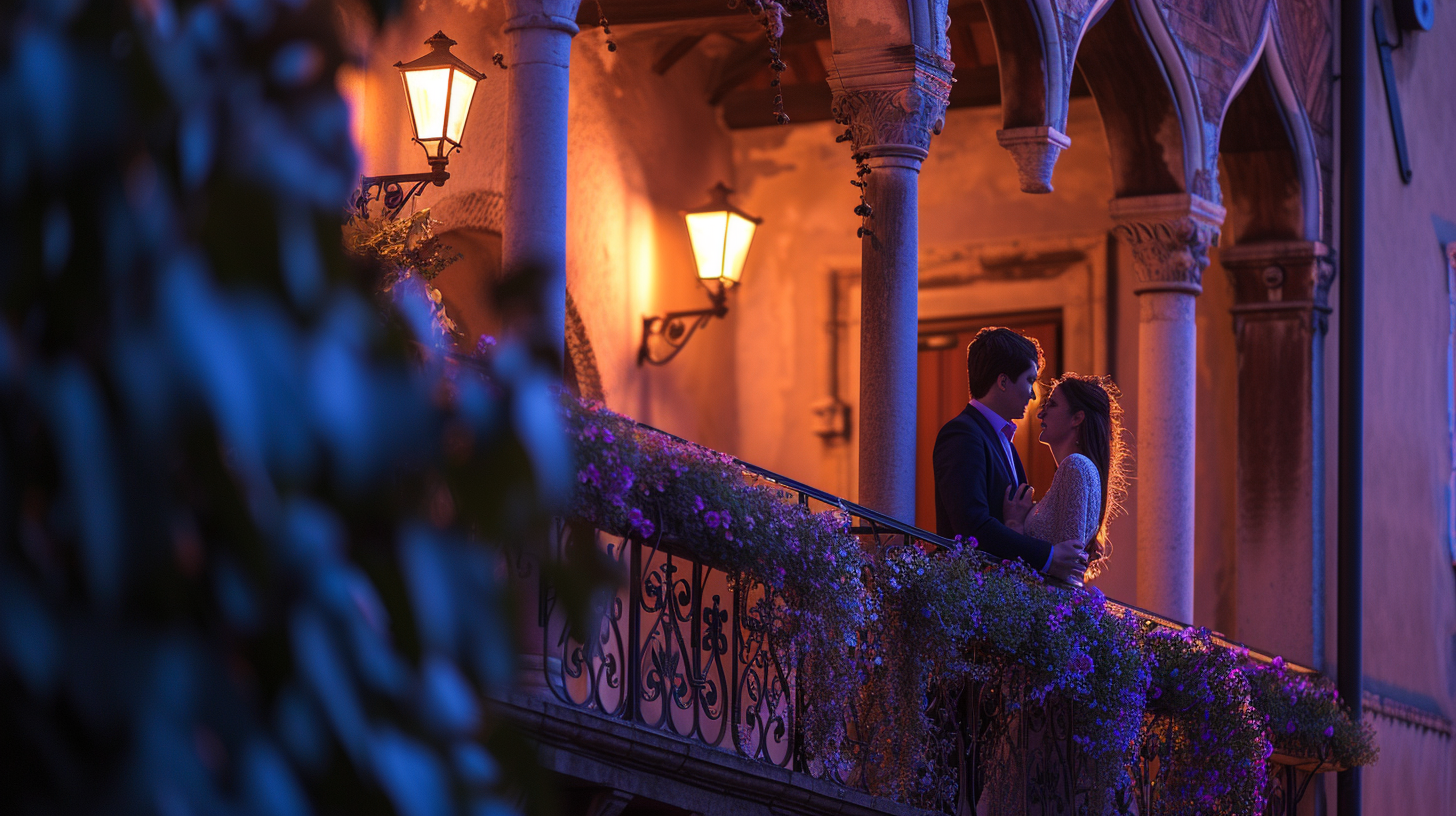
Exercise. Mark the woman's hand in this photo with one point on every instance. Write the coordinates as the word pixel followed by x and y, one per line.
pixel 1016 504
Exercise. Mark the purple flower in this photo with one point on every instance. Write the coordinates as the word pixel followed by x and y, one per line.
pixel 1329 731
pixel 639 523
pixel 710 518
pixel 1289 727
pixel 698 503
pixel 1278 663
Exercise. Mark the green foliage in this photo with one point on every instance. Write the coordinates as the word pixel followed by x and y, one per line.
pixel 250 541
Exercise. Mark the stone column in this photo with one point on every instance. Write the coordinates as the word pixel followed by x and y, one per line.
pixel 892 101
pixel 1281 316
pixel 1170 236
pixel 537 80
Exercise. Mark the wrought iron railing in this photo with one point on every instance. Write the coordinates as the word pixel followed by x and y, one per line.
pixel 687 649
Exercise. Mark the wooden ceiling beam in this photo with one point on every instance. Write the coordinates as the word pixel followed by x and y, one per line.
pixel 675 52
pixel 746 60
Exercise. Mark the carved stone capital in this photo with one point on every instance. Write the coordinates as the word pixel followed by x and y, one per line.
pixel 1035 150
pixel 893 100
pixel 1170 236
pixel 1285 280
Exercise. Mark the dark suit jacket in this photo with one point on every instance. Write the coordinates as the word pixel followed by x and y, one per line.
pixel 970 485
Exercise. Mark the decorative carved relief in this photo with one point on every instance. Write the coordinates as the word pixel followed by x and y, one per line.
pixel 1219 41
pixel 1306 34
pixel 476 209
pixel 1035 151
pixel 1169 237
pixel 1281 280
pixel 898 106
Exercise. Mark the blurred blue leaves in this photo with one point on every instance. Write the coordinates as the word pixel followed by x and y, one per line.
pixel 226 584
pixel 411 775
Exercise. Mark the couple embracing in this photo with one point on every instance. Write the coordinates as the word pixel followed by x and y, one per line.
pixel 980 484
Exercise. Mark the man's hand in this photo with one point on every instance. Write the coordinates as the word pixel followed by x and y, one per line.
pixel 1016 504
pixel 1069 561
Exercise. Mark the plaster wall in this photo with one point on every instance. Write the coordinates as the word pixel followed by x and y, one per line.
pixel 1409 584
pixel 641 148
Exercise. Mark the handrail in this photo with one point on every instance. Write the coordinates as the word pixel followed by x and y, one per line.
pixel 878 519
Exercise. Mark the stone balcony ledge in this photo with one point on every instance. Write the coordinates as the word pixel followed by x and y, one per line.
pixel 663 773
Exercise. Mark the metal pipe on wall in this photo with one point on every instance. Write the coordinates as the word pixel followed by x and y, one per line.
pixel 1350 495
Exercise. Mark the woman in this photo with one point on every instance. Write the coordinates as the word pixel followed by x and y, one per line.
pixel 1081 423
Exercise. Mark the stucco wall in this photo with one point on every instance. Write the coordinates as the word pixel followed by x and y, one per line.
pixel 1410 587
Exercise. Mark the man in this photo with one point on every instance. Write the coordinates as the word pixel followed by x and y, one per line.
pixel 975 461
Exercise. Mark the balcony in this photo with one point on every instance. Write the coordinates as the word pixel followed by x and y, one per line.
pixel 682 696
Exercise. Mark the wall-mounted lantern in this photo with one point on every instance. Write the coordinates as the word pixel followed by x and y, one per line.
pixel 439 88
pixel 721 235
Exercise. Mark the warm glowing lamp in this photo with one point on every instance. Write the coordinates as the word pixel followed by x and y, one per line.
pixel 440 88
pixel 721 235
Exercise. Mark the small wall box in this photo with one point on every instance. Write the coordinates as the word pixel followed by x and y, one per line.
pixel 1415 15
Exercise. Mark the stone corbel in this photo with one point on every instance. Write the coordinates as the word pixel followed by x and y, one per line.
pixel 1281 280
pixel 1036 45
pixel 1170 236
pixel 893 101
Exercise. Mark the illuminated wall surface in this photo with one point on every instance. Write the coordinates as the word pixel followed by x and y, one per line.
pixel 644 146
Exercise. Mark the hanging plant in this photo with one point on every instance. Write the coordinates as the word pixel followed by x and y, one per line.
pixel 410 255
pixel 955 615
pixel 1205 731
pixel 1305 718
pixel 651 487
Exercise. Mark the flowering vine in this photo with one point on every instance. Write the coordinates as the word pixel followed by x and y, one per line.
pixel 957 615
pixel 1203 727
pixel 651 487
pixel 410 256
pixel 1305 718
pixel 881 628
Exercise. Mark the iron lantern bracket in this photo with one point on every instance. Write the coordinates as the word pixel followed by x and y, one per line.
pixel 392 190
pixel 675 329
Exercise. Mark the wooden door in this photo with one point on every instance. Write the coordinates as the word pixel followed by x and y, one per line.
pixel 942 393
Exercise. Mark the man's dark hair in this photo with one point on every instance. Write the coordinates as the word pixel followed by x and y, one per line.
pixel 997 350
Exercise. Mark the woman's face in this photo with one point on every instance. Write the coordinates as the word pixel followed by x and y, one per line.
pixel 1059 424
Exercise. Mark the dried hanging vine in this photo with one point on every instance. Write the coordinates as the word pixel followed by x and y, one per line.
pixel 771 14
pixel 606 26
pixel 861 170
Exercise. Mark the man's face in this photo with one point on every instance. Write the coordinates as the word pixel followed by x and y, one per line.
pixel 1021 391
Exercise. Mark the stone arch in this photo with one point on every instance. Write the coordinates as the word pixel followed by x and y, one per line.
pixel 483 212
pixel 1163 78
pixel 1268 153
pixel 860 25
pixel 1143 106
